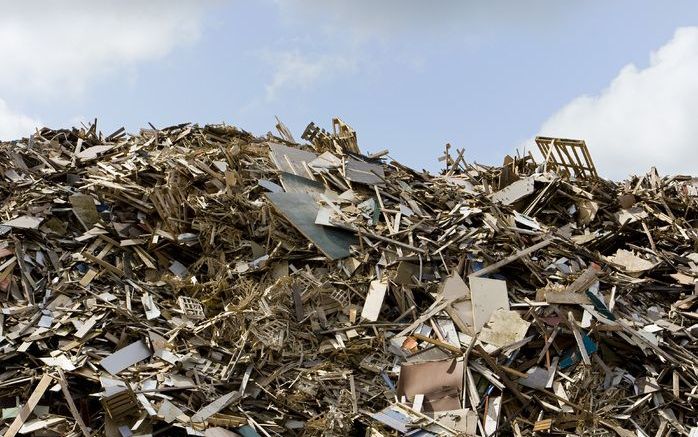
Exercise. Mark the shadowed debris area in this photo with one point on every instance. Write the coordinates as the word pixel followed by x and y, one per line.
pixel 203 281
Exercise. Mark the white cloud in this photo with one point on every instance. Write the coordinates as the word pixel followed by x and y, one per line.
pixel 58 48
pixel 293 69
pixel 646 117
pixel 14 125
pixel 367 19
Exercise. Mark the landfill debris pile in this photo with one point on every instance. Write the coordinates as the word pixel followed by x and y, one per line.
pixel 203 281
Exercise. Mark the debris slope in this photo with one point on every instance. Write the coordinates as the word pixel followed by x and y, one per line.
pixel 203 281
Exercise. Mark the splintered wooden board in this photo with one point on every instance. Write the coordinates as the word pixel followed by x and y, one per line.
pixel 301 210
pixel 374 300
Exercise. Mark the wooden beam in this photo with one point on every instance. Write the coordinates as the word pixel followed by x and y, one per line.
pixel 521 253
pixel 27 408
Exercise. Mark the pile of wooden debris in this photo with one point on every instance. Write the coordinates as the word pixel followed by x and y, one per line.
pixel 202 281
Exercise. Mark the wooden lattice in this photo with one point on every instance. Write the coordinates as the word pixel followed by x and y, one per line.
pixel 567 156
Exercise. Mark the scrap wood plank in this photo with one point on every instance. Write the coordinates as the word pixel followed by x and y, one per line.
pixel 112 268
pixel 374 300
pixel 71 404
pixel 543 425
pixel 492 364
pixel 521 253
pixel 7 268
pixel 217 405
pixel 438 305
pixel 390 240
pixel 449 347
pixel 28 408
pixel 578 338
pixel 87 325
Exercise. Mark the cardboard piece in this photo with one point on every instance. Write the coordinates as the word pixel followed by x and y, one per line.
pixel 441 383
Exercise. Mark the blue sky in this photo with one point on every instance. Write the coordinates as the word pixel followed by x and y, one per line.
pixel 408 75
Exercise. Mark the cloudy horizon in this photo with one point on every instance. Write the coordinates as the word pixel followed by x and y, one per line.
pixel 407 77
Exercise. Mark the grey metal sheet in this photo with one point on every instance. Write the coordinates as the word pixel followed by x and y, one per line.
pixel 126 357
pixel 364 172
pixel 270 186
pixel 291 159
pixel 301 210
pixel 299 184
pixel 514 192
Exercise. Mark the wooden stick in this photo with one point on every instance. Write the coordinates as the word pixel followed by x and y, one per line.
pixel 492 364
pixel 521 253
pixel 71 404
pixel 578 338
